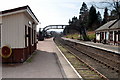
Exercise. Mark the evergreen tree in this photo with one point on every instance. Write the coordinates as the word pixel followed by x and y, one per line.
pixel 105 19
pixel 99 18
pixel 81 23
pixel 70 22
pixel 83 17
pixel 74 20
pixel 83 20
pixel 84 8
pixel 84 14
pixel 92 18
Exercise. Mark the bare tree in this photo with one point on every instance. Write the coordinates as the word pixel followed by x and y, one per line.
pixel 111 5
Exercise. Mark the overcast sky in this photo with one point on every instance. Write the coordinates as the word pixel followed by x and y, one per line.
pixel 49 12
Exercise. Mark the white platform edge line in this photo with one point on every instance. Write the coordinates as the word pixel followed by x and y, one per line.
pixel 69 63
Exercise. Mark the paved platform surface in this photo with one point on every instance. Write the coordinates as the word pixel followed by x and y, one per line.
pixel 46 63
pixel 111 48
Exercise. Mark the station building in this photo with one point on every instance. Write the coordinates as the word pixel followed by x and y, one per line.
pixel 18 32
pixel 109 33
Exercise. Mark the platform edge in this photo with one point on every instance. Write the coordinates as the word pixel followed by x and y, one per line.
pixel 69 63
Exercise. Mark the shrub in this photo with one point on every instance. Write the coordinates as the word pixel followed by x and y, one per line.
pixel 91 36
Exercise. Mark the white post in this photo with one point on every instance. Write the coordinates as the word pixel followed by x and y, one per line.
pixel 104 35
pixel 113 36
pixel 107 35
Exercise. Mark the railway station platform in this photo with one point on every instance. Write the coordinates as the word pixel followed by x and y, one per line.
pixel 111 48
pixel 46 62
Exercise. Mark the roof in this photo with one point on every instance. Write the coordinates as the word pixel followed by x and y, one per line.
pixel 18 9
pixel 114 24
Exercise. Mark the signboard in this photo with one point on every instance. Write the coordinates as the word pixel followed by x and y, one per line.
pixel 6 52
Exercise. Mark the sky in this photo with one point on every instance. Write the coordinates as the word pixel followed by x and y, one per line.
pixel 50 12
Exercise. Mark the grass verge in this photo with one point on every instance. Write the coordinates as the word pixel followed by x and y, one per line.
pixel 81 68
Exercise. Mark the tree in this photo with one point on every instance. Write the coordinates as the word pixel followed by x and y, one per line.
pixel 74 23
pixel 112 5
pixel 105 19
pixel 70 22
pixel 116 6
pixel 113 15
pixel 83 17
pixel 99 19
pixel 84 8
pixel 83 20
pixel 77 25
pixel 81 23
pixel 92 18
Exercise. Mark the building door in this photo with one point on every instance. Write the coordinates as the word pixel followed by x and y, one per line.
pixel 0 35
pixel 111 36
pixel 29 40
pixel 34 39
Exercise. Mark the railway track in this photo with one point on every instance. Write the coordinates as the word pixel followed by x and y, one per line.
pixel 104 64
pixel 110 62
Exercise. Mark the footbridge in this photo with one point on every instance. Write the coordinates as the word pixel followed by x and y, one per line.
pixel 44 31
pixel 54 27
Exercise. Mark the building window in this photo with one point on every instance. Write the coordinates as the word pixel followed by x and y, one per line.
pixel 118 35
pixel 111 36
pixel 25 36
